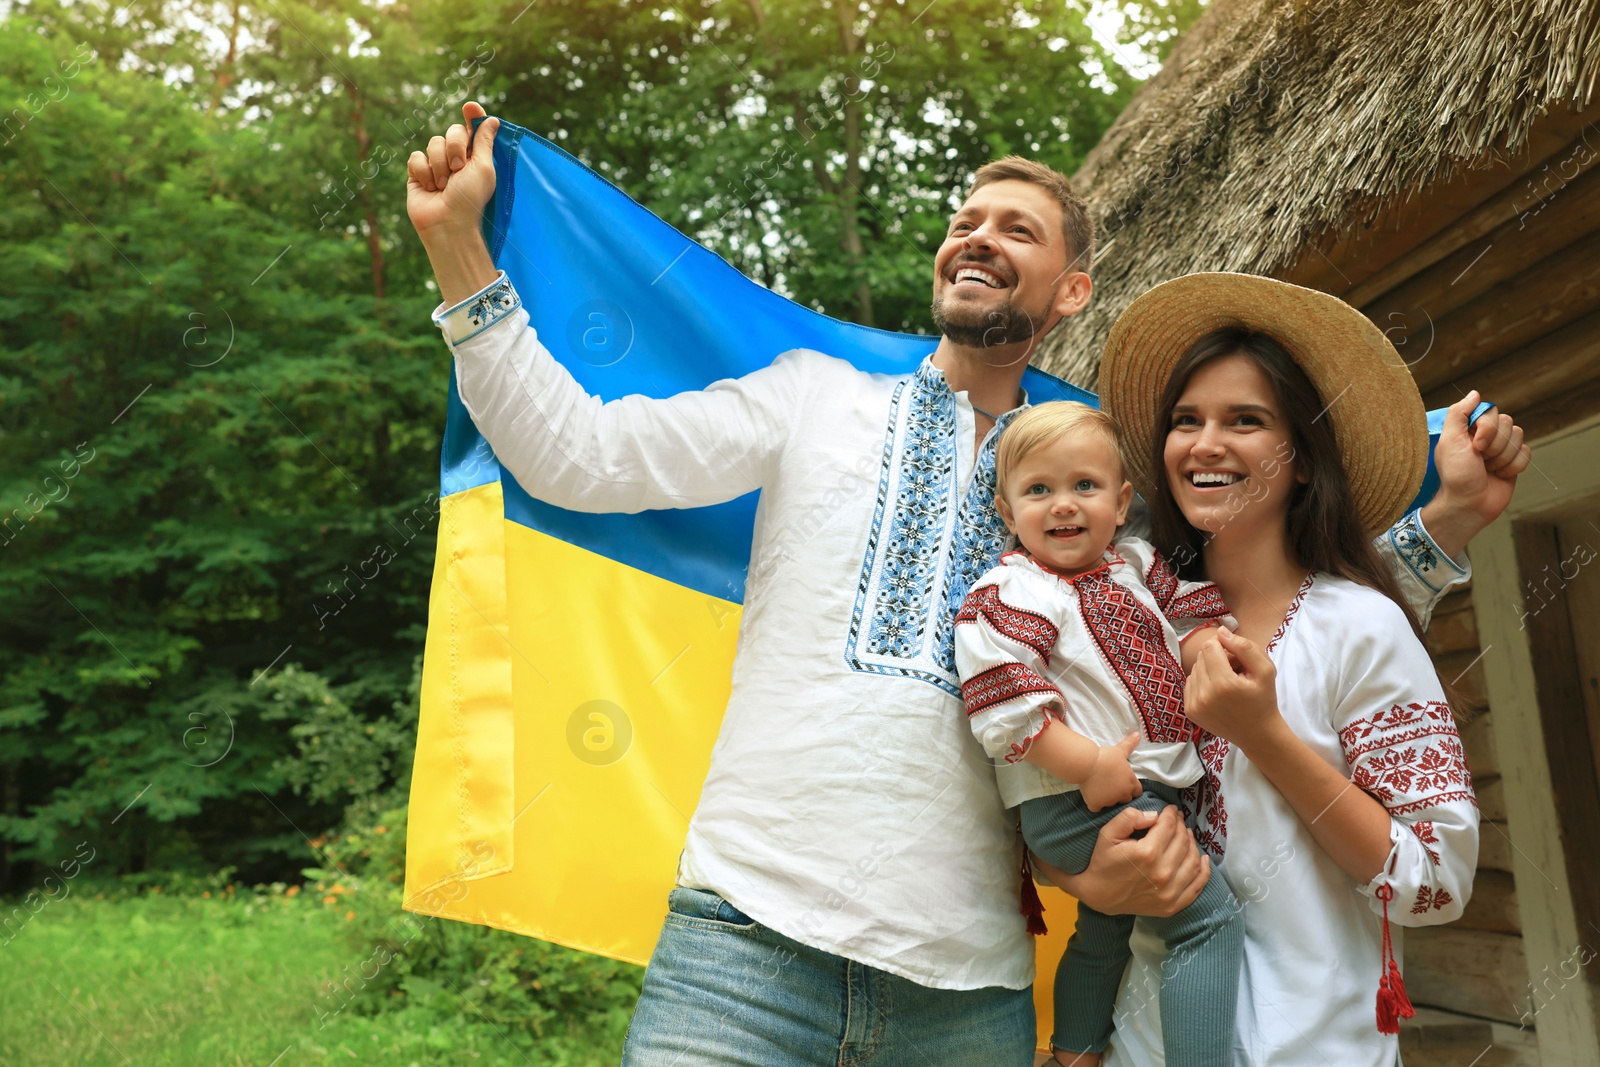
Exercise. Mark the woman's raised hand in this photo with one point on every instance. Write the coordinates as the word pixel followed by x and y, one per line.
pixel 448 185
pixel 1236 704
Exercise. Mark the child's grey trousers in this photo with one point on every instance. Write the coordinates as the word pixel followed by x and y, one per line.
pixel 1205 944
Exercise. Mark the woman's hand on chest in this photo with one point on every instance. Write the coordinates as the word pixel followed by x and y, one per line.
pixel 1233 692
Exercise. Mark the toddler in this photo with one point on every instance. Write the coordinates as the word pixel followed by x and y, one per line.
pixel 1072 680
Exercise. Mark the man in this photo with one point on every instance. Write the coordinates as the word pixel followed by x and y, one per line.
pixel 848 890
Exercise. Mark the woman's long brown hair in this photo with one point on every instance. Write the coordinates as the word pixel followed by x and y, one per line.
pixel 1324 525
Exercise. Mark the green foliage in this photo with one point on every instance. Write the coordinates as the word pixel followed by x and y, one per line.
pixel 219 451
pixel 520 985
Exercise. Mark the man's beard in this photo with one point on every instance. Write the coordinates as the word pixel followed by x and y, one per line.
pixel 1006 325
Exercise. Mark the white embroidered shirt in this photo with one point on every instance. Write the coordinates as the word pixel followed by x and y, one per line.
pixel 1095 651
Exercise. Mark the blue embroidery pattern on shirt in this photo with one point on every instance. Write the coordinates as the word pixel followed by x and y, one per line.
pixel 479 312
pixel 1418 551
pixel 927 465
pixel 980 538
pixel 921 560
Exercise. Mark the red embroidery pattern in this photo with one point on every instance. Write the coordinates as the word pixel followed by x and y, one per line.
pixel 1294 608
pixel 1162 581
pixel 1409 757
pixel 1023 627
pixel 1202 603
pixel 1431 900
pixel 1131 640
pixel 1425 833
pixel 1205 796
pixel 1000 684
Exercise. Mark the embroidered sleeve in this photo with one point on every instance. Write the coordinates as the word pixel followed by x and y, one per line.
pixel 1002 649
pixel 492 304
pixel 568 448
pixel 1425 573
pixel 1189 606
pixel 1400 741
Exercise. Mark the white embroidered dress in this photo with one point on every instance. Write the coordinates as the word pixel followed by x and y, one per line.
pixel 1356 685
pixel 1094 650
pixel 847 804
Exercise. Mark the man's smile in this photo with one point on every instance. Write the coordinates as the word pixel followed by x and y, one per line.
pixel 971 275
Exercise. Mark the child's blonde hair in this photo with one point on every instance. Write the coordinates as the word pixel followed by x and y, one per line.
pixel 1044 424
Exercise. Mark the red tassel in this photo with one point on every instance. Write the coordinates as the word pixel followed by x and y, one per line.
pixel 1393 1003
pixel 1032 906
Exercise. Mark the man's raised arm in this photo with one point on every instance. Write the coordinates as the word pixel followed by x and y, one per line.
pixel 563 445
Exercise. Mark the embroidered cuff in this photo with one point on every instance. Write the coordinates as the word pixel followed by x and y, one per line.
pixel 477 312
pixel 1417 548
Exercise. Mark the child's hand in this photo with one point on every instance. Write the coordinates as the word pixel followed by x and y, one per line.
pixel 1112 781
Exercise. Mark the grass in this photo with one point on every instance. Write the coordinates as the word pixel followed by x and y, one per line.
pixel 232 981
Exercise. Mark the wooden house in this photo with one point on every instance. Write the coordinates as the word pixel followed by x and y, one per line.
pixel 1437 164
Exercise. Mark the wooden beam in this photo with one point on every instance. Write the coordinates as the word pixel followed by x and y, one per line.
pixel 1546 367
pixel 1567 747
pixel 1507 213
pixel 1560 289
pixel 1566 214
pixel 1493 905
pixel 1470 971
pixel 1567 1031
pixel 1561 411
pixel 1375 236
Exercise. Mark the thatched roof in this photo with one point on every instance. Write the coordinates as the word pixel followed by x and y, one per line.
pixel 1274 123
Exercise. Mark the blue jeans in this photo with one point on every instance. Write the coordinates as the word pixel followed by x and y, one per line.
pixel 722 989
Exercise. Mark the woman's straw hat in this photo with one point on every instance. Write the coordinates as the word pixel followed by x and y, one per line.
pixel 1377 414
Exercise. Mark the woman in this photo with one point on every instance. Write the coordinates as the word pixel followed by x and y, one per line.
pixel 1274 431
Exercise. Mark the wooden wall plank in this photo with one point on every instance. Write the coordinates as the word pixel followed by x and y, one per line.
pixel 1493 905
pixel 1548 366
pixel 1569 212
pixel 1452 630
pixel 1567 408
pixel 1470 971
pixel 1477 738
pixel 1463 672
pixel 1491 799
pixel 1397 238
pixel 1494 849
pixel 1559 289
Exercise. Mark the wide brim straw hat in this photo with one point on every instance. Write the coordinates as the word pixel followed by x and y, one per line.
pixel 1367 391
